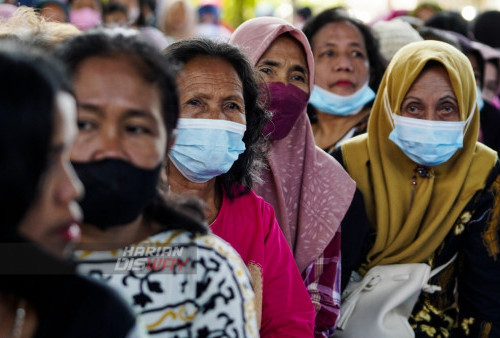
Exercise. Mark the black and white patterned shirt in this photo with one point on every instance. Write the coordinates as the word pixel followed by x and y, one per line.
pixel 180 284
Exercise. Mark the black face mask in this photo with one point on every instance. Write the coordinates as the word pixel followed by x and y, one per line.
pixel 116 191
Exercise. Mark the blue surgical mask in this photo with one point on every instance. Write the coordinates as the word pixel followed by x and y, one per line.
pixel 426 142
pixel 206 148
pixel 334 104
pixel 479 98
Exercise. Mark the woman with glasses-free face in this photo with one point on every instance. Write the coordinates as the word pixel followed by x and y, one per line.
pixel 342 68
pixel 119 114
pixel 216 93
pixel 340 58
pixel 53 219
pixel 282 56
pixel 429 188
pixel 431 97
pixel 119 118
pixel 127 107
pixel 285 61
pixel 348 68
pixel 220 132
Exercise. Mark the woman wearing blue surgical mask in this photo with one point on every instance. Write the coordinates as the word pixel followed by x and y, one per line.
pixel 431 189
pixel 180 279
pixel 217 153
pixel 348 68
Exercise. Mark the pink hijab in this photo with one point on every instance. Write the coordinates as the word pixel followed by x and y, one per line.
pixel 308 188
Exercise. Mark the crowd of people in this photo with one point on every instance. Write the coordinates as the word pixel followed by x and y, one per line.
pixel 163 174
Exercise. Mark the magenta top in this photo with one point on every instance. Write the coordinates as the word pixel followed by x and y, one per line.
pixel 248 223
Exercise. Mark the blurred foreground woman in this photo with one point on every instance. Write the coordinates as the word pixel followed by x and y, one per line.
pixel 39 294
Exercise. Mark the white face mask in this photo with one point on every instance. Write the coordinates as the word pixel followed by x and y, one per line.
pixel 479 98
pixel 133 14
pixel 334 104
pixel 426 142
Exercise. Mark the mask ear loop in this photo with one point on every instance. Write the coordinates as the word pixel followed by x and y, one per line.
pixel 387 106
pixel 469 119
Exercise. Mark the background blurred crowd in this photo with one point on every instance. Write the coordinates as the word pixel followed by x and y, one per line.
pixel 165 21
pixel 294 156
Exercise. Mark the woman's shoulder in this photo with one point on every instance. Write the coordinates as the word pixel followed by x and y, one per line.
pixel 207 244
pixel 354 146
pixel 243 216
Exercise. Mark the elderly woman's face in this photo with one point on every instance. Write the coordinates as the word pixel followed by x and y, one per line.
pixel 431 97
pixel 210 88
pixel 340 57
pixel 52 220
pixel 285 62
pixel 119 114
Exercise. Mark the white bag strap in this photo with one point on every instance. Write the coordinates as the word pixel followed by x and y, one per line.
pixel 433 288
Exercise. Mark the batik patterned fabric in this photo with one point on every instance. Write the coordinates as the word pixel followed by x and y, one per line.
pixel 473 279
pixel 180 284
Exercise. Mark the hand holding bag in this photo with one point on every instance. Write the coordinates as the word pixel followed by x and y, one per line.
pixel 379 305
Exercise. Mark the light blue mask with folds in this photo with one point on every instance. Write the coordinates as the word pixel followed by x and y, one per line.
pixel 479 98
pixel 206 148
pixel 334 104
pixel 426 142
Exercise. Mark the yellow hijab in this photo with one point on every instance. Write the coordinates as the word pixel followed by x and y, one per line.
pixel 411 221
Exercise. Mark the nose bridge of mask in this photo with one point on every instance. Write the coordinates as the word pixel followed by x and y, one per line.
pixel 464 125
pixel 187 123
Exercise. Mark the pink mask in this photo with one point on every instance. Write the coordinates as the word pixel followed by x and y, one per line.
pixel 85 18
pixel 286 102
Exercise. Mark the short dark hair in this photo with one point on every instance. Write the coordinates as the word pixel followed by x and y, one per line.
pixel 155 69
pixel 30 82
pixel 150 64
pixel 113 7
pixel 485 28
pixel 449 21
pixel 332 15
pixel 246 168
